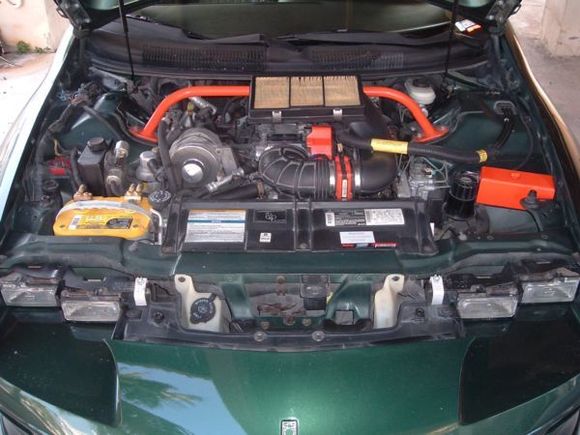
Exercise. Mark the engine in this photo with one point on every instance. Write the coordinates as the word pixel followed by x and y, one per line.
pixel 276 146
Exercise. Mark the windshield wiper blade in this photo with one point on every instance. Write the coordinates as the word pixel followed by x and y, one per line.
pixel 349 37
pixel 250 38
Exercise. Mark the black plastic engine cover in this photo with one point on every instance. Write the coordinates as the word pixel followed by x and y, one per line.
pixel 299 226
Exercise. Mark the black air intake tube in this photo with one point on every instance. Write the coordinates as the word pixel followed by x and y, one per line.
pixel 290 171
pixel 377 172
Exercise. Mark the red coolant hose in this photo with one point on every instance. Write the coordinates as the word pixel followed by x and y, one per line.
pixel 428 131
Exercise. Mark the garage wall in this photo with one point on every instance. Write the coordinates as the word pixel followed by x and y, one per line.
pixel 561 27
pixel 32 21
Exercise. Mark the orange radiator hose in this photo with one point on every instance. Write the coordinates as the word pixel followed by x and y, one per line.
pixel 149 132
pixel 428 131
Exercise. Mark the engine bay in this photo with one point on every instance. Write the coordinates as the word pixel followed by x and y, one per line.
pixel 175 177
pixel 286 163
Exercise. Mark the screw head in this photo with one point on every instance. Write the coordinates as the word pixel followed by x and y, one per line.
pixel 318 336
pixel 260 336
pixel 158 316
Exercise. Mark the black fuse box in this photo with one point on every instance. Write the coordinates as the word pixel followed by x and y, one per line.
pixel 90 164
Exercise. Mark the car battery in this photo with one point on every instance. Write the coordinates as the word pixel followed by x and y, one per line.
pixel 299 226
pixel 104 217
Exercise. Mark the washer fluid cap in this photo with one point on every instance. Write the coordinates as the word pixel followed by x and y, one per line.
pixel 420 90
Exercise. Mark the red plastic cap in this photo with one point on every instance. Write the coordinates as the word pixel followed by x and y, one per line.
pixel 319 141
pixel 506 188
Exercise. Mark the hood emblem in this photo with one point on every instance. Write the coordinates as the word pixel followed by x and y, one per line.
pixel 289 427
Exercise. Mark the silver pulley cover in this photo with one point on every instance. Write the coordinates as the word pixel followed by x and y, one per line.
pixel 196 157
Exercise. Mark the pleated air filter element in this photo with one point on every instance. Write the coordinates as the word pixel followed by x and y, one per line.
pixel 306 99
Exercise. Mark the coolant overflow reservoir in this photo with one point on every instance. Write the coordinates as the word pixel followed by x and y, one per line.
pixel 200 311
pixel 386 306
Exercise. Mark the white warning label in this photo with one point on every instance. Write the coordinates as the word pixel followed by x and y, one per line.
pixel 384 216
pixel 357 237
pixel 329 219
pixel 216 226
pixel 367 217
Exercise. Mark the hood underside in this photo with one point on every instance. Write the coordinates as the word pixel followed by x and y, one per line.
pixel 87 15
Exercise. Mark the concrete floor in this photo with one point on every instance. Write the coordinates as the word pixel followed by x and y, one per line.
pixel 560 77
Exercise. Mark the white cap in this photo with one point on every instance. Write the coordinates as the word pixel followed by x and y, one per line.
pixel 422 93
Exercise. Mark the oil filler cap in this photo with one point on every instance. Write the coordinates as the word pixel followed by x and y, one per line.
pixel 202 310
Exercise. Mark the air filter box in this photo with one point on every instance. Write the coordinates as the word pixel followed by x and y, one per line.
pixel 306 99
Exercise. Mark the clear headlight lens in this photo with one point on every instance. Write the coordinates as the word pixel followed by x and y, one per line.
pixel 21 291
pixel 38 296
pixel 560 289
pixel 473 306
pixel 91 311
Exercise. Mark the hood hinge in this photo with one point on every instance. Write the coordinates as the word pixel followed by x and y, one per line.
pixel 76 14
pixel 500 12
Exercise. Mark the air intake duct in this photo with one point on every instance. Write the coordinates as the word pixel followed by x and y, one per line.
pixel 292 171
pixel 289 170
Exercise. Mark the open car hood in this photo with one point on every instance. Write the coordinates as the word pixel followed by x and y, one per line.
pixel 86 15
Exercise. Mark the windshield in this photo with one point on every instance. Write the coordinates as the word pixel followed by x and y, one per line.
pixel 220 19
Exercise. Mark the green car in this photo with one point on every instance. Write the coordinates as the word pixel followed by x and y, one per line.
pixel 289 217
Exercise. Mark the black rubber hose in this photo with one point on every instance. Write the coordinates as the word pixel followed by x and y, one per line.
pixel 447 154
pixel 232 185
pixel 377 172
pixel 249 191
pixel 532 138
pixel 45 146
pixel 165 158
pixel 291 171
pixel 75 174
pixel 421 149
pixel 118 129
pixel 505 133
pixel 353 141
pixel 128 135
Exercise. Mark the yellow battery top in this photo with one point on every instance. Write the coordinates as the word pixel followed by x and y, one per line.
pixel 104 217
